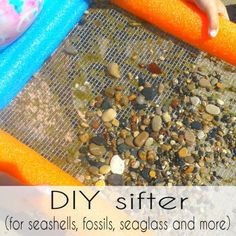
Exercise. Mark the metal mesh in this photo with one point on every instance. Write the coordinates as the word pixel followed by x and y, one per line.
pixel 45 114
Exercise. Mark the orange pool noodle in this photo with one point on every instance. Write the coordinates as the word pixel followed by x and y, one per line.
pixel 21 162
pixel 186 22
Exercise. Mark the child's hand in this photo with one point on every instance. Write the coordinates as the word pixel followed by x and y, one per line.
pixel 213 8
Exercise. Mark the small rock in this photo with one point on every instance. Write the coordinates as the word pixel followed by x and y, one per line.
pixel 84 138
pixel 141 100
pixel 142 155
pixel 114 70
pixel 117 165
pixel 124 101
pixel 129 141
pixel 195 101
pixel 201 135
pixel 189 160
pixel 100 183
pixel 71 50
pixel 166 117
pixel 106 104
pixel 149 142
pixel 122 148
pixel 110 92
pixel 105 169
pixel 140 140
pixel 116 123
pixel 98 140
pixel 156 123
pixel 94 170
pixel 220 102
pixel 97 150
pixel 207 117
pixel 189 137
pixel 149 93
pixel 115 180
pixel 161 88
pixel 205 83
pixel 152 174
pixel 109 115
pixel 213 110
pixel 196 125
pixel 183 152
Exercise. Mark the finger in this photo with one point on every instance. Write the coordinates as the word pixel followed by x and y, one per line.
pixel 213 17
pixel 223 11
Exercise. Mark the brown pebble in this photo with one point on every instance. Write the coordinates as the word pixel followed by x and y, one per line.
pixel 84 138
pixel 142 155
pixel 97 150
pixel 129 141
pixel 189 137
pixel 132 97
pixel 140 140
pixel 114 70
pixel 205 83
pixel 110 92
pixel 105 169
pixel 115 122
pixel 183 152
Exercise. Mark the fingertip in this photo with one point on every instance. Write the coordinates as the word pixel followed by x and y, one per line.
pixel 213 33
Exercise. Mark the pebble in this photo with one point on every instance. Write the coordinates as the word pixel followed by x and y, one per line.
pixel 201 135
pixel 161 88
pixel 141 100
pixel 97 150
pixel 149 93
pixel 183 152
pixel 115 180
pixel 152 174
pixel 122 148
pixel 205 83
pixel 105 169
pixel 110 92
pixel 196 125
pixel 156 123
pixel 124 101
pixel 220 102
pixel 116 123
pixel 93 170
pixel 189 160
pixel 106 104
pixel 142 155
pixel 114 70
pixel 129 141
pixel 149 142
pixel 212 109
pixel 100 183
pixel 166 117
pixel 71 50
pixel 98 140
pixel 207 117
pixel 140 140
pixel 195 101
pixel 84 138
pixel 109 115
pixel 189 137
pixel 117 165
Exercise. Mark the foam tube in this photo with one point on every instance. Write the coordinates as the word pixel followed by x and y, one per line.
pixel 186 22
pixel 24 164
pixel 23 58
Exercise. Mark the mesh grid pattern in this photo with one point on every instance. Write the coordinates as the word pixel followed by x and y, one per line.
pixel 45 114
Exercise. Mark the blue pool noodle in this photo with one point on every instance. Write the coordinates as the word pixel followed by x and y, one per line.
pixel 24 57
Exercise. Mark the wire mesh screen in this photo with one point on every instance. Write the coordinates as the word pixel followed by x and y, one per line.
pixel 46 114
